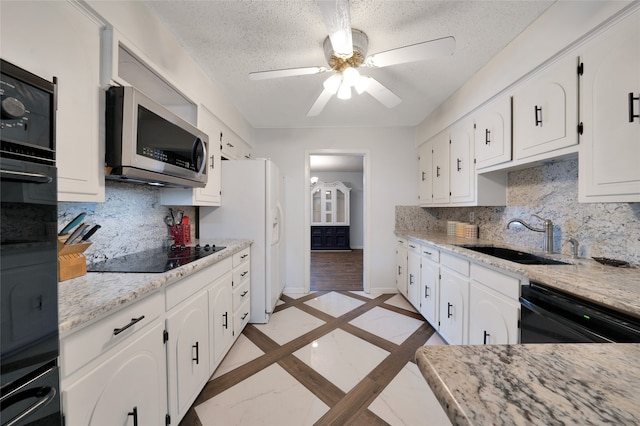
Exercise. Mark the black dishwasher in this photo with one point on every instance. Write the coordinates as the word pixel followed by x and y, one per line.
pixel 551 316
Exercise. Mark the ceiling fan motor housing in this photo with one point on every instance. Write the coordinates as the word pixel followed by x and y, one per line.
pixel 360 46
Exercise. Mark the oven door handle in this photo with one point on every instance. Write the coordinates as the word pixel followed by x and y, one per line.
pixel 43 394
pixel 25 176
pixel 564 322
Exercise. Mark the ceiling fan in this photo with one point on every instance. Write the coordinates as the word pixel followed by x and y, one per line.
pixel 346 50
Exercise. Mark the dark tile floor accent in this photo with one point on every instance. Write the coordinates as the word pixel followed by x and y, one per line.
pixel 345 407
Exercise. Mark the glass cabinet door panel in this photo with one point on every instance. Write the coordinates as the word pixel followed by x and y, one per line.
pixel 316 207
pixel 340 206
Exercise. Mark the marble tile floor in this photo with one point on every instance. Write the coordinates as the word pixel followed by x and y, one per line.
pixel 325 358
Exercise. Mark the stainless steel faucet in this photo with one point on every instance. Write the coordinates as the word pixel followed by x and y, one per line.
pixel 574 247
pixel 548 231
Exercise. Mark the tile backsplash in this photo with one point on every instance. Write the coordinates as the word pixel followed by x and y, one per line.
pixel 131 220
pixel 550 191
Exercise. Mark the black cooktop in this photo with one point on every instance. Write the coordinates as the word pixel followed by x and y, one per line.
pixel 154 260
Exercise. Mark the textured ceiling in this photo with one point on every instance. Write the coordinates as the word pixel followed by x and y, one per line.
pixel 230 39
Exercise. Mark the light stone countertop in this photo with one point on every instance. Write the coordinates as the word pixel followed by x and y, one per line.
pixel 84 299
pixel 535 384
pixel 618 288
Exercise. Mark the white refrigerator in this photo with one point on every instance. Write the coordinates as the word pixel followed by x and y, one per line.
pixel 251 207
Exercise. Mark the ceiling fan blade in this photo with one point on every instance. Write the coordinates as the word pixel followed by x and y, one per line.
pixel 320 103
pixel 383 95
pixel 413 53
pixel 336 17
pixel 288 72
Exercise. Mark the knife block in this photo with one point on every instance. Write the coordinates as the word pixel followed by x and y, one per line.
pixel 71 261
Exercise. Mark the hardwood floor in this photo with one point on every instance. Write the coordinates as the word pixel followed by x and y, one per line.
pixel 339 271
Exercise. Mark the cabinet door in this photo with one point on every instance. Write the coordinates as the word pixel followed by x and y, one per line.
pixel 462 180
pixel 429 290
pixel 128 388
pixel 610 99
pixel 413 280
pixel 493 319
pixel 67 47
pixel 545 110
pixel 454 295
pixel 187 353
pixel 492 133
pixel 425 176
pixel 401 268
pixel 221 319
pixel 441 168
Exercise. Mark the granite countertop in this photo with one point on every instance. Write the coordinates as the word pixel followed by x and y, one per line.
pixel 618 288
pixel 82 300
pixel 541 384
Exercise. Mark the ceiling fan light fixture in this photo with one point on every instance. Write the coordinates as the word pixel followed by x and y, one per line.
pixel 344 92
pixel 332 84
pixel 350 76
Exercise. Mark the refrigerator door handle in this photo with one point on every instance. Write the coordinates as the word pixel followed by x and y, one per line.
pixel 277 225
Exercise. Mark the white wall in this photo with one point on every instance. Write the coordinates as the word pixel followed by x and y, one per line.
pixel 393 170
pixel 356 202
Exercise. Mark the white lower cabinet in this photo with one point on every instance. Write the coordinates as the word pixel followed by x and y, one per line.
pixel 465 301
pixel 146 363
pixel 127 388
pixel 221 319
pixel 494 308
pixel 413 278
pixel 187 353
pixel 493 319
pixel 454 299
pixel 430 285
pixel 401 266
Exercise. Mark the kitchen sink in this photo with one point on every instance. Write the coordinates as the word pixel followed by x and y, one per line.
pixel 514 255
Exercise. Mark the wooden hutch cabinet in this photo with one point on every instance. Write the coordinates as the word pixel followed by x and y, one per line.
pixel 330 216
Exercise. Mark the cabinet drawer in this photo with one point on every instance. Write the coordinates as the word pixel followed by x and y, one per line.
pixel 241 256
pixel 241 294
pixel 241 318
pixel 241 274
pixel 186 287
pixel 504 284
pixel 455 263
pixel 431 253
pixel 414 247
pixel 83 346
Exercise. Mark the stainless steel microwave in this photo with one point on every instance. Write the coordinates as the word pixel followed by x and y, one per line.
pixel 147 143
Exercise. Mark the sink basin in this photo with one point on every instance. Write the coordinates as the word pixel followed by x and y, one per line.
pixel 514 255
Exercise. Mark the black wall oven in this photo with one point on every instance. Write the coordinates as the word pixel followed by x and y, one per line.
pixel 29 380
pixel 551 316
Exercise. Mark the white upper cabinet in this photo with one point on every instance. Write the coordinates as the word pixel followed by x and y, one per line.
pixel 210 194
pixel 610 98
pixel 462 171
pixel 545 111
pixel 67 47
pixel 447 175
pixel 492 133
pixel 425 177
pixel 440 168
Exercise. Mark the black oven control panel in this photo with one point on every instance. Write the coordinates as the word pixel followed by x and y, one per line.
pixel 27 105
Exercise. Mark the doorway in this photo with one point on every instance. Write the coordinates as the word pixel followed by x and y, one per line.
pixel 343 269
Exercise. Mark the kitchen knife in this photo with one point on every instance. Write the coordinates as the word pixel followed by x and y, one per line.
pixel 89 233
pixel 75 234
pixel 76 220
